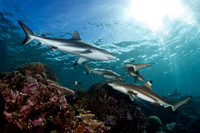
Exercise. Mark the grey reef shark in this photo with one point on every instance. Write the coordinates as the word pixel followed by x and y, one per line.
pixel 133 70
pixel 73 46
pixel 144 92
pixel 106 73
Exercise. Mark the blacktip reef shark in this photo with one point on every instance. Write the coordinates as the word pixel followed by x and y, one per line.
pixel 175 94
pixel 73 46
pixel 133 70
pixel 106 73
pixel 144 92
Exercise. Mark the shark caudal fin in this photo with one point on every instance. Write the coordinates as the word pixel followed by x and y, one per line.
pixel 178 104
pixel 28 32
pixel 143 65
pixel 87 67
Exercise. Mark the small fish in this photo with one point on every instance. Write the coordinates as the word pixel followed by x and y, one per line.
pixel 77 83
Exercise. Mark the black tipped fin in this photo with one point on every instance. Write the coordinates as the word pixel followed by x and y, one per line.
pixel 75 63
pixel 43 35
pixel 148 85
pixel 54 48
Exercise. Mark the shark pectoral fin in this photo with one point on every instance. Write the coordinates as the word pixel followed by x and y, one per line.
pixel 76 36
pixel 132 96
pixel 54 48
pixel 87 67
pixel 79 61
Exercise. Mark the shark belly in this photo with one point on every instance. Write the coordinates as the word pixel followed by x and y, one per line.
pixel 70 49
pixel 109 77
pixel 118 88
pixel 95 55
pixel 146 98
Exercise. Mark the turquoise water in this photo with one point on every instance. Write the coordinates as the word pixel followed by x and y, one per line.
pixel 131 30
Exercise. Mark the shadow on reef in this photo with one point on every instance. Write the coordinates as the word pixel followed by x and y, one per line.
pixel 32 101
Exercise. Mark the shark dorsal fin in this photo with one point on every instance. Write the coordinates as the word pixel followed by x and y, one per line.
pixel 76 36
pixel 148 84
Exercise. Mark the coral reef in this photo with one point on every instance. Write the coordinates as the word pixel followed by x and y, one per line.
pixel 115 109
pixel 32 102
pixel 37 69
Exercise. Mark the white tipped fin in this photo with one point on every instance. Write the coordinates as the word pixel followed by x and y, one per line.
pixel 148 85
pixel 76 36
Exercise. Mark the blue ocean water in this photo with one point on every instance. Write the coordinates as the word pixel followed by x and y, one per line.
pixel 166 33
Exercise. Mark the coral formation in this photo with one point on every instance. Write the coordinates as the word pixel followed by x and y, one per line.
pixel 37 69
pixel 110 107
pixel 155 124
pixel 31 101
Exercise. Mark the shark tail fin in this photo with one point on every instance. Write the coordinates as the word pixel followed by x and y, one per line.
pixel 87 67
pixel 28 32
pixel 178 104
pixel 143 65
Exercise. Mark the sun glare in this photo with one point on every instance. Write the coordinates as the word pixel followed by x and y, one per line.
pixel 154 13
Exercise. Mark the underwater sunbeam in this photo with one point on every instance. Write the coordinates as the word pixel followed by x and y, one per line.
pixel 154 12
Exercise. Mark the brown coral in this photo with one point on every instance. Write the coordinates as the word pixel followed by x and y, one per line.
pixel 34 103
pixel 112 108
pixel 37 68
